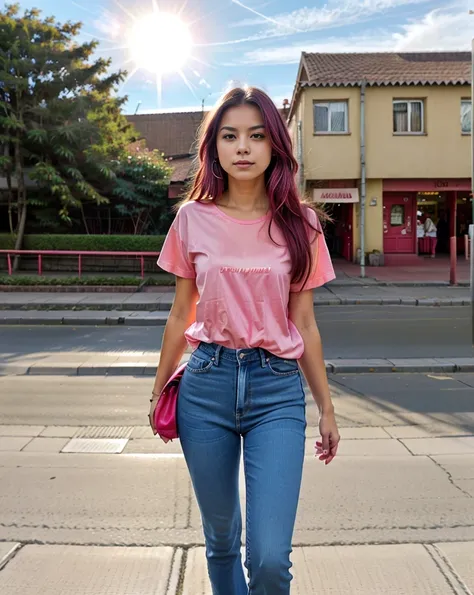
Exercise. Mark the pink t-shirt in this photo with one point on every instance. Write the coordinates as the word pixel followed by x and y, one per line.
pixel 243 278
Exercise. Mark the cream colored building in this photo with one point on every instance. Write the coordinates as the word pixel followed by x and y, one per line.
pixel 412 114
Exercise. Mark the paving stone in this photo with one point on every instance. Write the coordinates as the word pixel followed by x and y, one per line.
pixel 13 444
pixel 467 485
pixel 378 447
pixel 141 432
pixel 362 433
pixel 46 445
pixel 7 550
pixel 196 578
pixel 440 446
pixel 460 556
pixel 343 570
pixel 152 445
pixel 69 570
pixel 31 431
pixel 458 466
pixel 60 431
pixel 421 431
pixel 366 570
pixel 95 445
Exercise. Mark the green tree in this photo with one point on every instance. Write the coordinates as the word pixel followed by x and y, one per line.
pixel 141 190
pixel 58 119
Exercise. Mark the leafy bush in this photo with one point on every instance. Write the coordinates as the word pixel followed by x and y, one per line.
pixel 104 243
pixel 23 280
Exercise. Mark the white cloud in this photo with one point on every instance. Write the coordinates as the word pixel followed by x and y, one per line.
pixel 336 13
pixel 437 30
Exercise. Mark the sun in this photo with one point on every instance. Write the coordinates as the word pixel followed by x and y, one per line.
pixel 160 43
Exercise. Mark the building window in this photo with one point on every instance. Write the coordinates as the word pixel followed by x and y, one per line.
pixel 408 117
pixel 330 117
pixel 397 215
pixel 466 116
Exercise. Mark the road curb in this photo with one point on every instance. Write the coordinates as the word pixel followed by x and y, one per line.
pixel 156 314
pixel 165 306
pixel 367 366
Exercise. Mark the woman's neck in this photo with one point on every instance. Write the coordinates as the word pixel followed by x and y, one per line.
pixel 247 197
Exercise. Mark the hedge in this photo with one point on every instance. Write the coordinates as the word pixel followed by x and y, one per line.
pixel 96 243
pixel 22 280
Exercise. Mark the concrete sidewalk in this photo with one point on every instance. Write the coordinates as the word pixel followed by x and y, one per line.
pixel 411 569
pixel 393 514
pixel 161 301
pixel 389 441
pixel 96 363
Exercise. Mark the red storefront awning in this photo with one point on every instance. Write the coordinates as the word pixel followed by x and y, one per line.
pixel 427 185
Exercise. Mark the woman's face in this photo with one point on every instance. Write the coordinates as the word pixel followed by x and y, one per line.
pixel 243 145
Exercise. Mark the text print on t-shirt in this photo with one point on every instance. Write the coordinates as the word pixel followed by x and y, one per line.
pixel 246 269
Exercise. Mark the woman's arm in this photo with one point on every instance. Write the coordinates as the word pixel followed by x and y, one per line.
pixel 182 315
pixel 301 313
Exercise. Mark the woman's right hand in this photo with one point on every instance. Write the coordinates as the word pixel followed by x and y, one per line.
pixel 153 404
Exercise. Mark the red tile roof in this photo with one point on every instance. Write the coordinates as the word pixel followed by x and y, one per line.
pixel 172 133
pixel 415 68
pixel 182 169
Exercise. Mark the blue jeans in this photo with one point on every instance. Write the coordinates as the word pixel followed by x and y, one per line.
pixel 225 394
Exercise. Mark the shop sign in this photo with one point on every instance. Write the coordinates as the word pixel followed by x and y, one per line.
pixel 337 195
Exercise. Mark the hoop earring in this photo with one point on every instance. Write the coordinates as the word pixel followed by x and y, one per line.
pixel 214 173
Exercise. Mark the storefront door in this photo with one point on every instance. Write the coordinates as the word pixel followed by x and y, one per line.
pixel 339 230
pixel 347 232
pixel 399 223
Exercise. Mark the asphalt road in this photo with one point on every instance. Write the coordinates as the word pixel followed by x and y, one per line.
pixel 348 332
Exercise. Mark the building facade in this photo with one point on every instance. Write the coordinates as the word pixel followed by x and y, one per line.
pixel 394 131
pixel 174 134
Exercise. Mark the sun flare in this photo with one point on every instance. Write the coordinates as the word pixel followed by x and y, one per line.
pixel 160 43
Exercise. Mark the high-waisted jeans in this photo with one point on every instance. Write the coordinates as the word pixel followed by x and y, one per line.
pixel 226 394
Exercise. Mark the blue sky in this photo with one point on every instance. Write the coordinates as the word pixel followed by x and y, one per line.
pixel 255 42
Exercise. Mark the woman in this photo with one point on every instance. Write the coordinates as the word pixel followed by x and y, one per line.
pixel 246 254
pixel 431 232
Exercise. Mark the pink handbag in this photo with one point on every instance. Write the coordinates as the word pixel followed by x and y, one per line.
pixel 164 415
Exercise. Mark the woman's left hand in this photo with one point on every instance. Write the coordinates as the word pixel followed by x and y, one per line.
pixel 327 449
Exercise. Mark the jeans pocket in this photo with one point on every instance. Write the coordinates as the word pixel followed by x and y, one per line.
pixel 200 362
pixel 282 367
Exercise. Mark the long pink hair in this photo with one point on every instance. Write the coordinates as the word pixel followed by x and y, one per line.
pixel 287 209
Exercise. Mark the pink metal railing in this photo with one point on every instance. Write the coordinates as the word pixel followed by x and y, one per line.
pixel 78 253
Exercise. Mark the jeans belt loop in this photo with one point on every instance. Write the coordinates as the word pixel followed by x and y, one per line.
pixel 263 357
